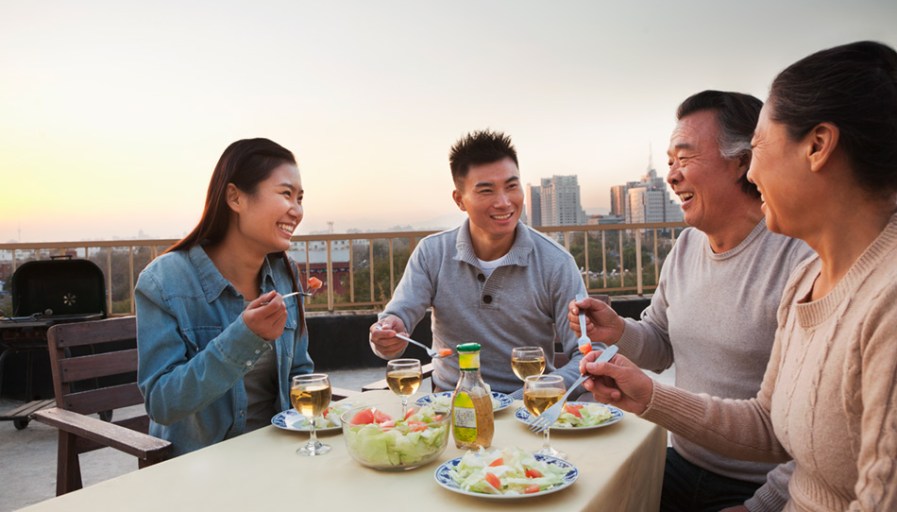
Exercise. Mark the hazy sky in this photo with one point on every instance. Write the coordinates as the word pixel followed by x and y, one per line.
pixel 114 113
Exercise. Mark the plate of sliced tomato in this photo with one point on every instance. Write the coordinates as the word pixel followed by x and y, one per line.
pixel 578 416
pixel 447 476
pixel 290 419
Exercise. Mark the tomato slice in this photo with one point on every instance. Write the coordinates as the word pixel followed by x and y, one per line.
pixel 409 413
pixel 380 416
pixel 533 473
pixel 497 462
pixel 445 352
pixel 369 415
pixel 493 481
pixel 417 426
pixel 314 283
pixel 585 348
pixel 363 417
pixel 573 410
pixel 532 488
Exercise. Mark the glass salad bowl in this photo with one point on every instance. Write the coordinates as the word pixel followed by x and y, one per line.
pixel 379 439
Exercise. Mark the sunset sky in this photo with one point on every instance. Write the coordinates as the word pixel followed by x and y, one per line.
pixel 113 113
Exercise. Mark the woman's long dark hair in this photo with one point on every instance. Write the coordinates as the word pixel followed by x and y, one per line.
pixel 245 163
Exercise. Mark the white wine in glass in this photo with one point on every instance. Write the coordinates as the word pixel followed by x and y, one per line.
pixel 526 361
pixel 539 393
pixel 403 376
pixel 310 395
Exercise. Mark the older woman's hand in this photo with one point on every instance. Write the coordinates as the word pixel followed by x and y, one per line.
pixel 266 316
pixel 617 382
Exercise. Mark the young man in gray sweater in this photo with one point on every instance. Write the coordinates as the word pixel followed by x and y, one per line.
pixel 492 280
pixel 714 310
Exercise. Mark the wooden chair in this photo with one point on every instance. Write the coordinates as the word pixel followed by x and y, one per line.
pixel 94 372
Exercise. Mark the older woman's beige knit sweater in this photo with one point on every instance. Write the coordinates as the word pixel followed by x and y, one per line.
pixel 829 396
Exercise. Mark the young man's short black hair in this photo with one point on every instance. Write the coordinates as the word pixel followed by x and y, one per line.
pixel 477 148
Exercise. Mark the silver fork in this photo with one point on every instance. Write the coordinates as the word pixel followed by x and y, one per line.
pixel 434 354
pixel 287 296
pixel 583 339
pixel 547 418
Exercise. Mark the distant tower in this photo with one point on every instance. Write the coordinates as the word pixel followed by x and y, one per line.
pixel 646 200
pixel 618 200
pixel 534 205
pixel 561 205
pixel 330 226
pixel 650 157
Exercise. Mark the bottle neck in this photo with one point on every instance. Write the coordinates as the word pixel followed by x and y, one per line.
pixel 468 361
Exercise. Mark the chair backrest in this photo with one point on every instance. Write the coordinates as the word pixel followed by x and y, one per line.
pixel 95 365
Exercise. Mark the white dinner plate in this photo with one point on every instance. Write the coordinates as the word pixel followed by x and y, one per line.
pixel 292 420
pixel 616 415
pixel 443 477
pixel 500 401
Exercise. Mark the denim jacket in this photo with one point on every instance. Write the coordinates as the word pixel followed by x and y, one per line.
pixel 194 348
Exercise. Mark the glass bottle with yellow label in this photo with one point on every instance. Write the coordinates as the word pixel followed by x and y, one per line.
pixel 472 420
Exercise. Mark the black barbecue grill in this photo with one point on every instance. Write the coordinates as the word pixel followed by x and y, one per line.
pixel 45 293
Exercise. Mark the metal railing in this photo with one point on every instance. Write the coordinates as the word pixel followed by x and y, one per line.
pixel 361 270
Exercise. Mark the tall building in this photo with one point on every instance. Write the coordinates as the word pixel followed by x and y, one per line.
pixel 533 205
pixel 556 202
pixel 647 200
pixel 618 200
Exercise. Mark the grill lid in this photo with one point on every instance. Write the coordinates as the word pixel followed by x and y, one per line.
pixel 58 287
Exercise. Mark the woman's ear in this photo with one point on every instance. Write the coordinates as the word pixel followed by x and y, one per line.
pixel 234 197
pixel 821 144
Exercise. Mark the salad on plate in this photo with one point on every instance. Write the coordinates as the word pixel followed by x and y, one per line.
pixel 510 472
pixel 442 402
pixel 328 420
pixel 579 416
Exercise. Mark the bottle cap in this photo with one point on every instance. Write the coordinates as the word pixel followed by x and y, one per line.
pixel 468 347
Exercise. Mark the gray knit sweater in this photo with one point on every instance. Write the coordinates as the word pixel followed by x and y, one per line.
pixel 715 316
pixel 524 302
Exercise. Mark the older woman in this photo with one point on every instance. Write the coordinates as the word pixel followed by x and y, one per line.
pixel 217 342
pixel 825 162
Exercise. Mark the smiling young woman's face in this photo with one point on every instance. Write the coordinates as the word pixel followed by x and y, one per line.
pixel 268 217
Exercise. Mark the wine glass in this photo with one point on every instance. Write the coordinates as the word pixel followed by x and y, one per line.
pixel 526 361
pixel 403 377
pixel 310 395
pixel 539 393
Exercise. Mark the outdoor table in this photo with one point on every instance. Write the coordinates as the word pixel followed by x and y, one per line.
pixel 620 468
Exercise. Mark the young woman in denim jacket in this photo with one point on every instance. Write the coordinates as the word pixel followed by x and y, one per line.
pixel 217 343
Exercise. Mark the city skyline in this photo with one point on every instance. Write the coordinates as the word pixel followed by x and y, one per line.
pixel 112 116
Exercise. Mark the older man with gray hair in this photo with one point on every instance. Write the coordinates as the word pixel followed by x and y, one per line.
pixel 714 310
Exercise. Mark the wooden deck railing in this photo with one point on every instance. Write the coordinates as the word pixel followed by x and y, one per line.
pixel 361 270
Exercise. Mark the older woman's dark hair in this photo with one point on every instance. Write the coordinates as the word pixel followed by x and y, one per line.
pixel 854 87
pixel 737 116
